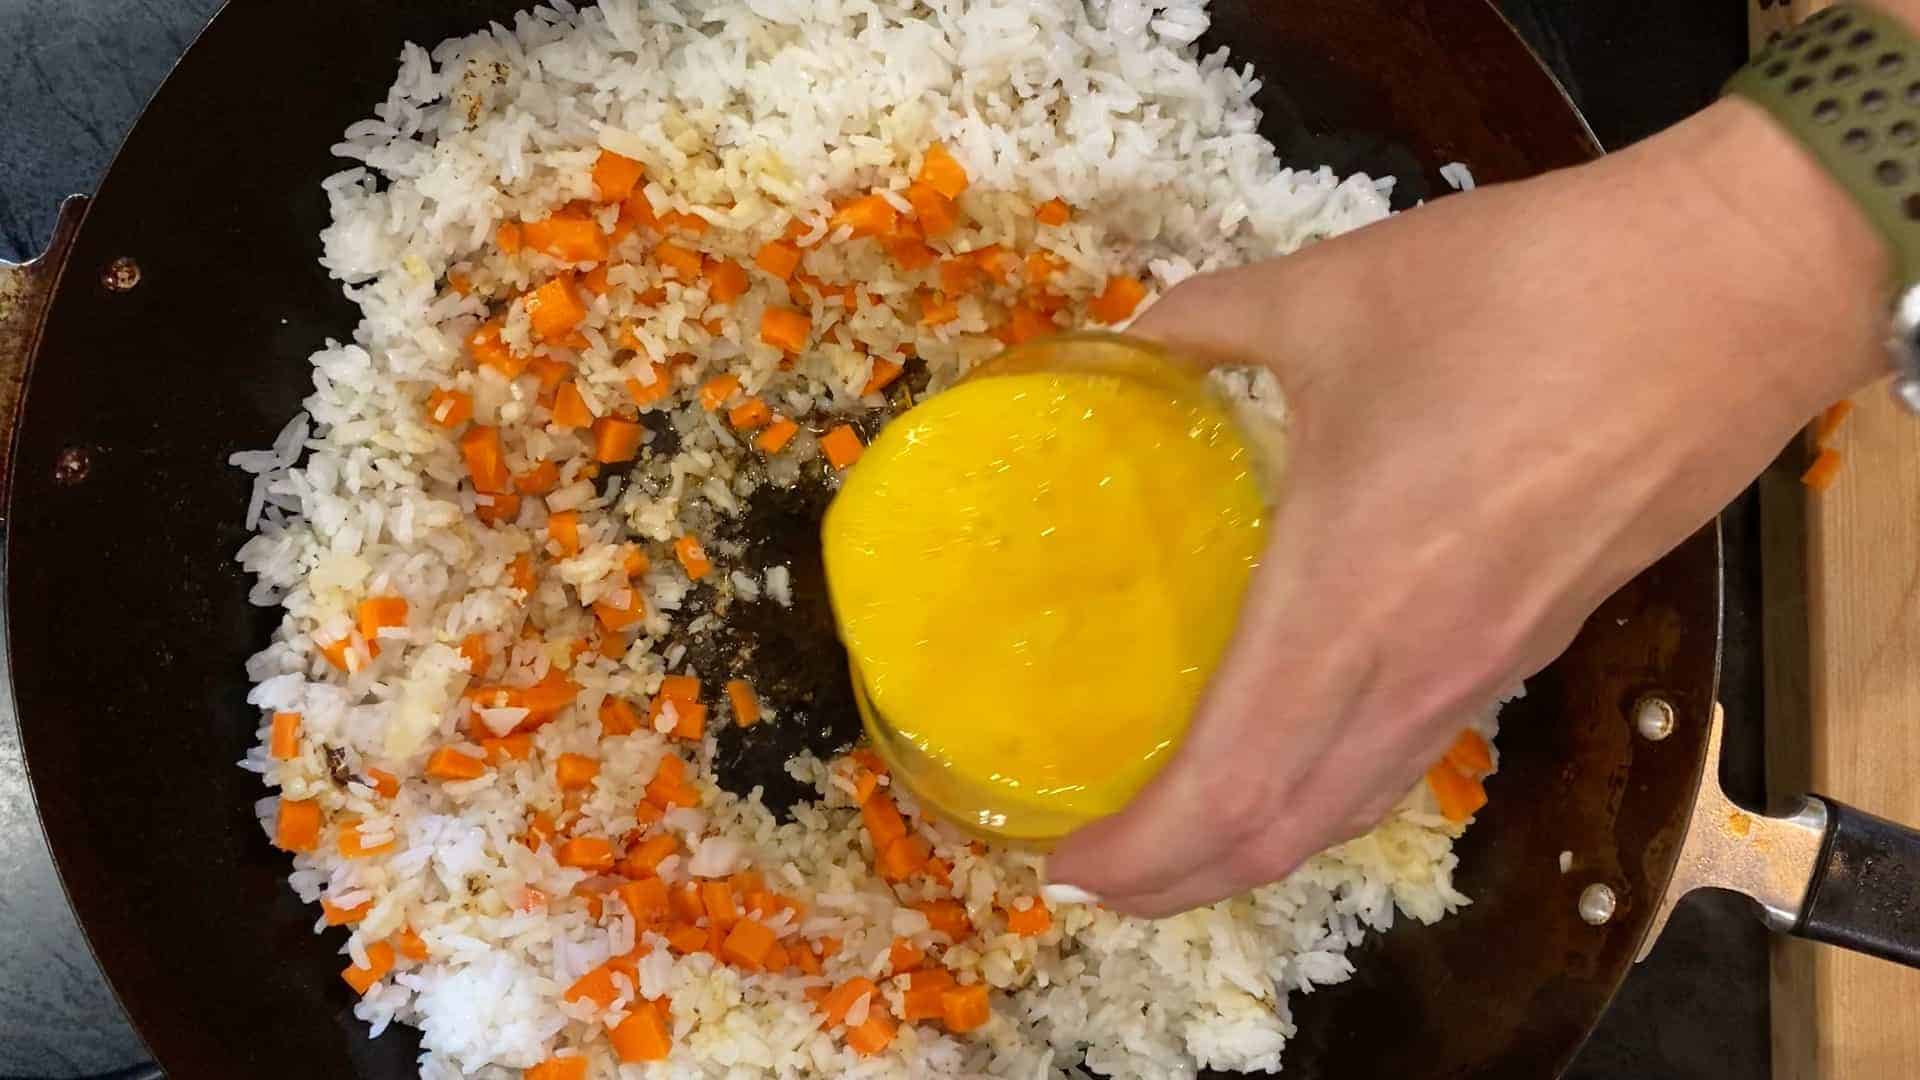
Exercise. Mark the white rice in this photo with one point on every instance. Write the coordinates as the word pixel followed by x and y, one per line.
pixel 751 115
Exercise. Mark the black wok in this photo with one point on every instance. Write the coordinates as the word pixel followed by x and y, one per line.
pixel 170 324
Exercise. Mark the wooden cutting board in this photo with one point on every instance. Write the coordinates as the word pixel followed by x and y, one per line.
pixel 1843 698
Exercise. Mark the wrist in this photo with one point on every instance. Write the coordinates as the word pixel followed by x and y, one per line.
pixel 1803 255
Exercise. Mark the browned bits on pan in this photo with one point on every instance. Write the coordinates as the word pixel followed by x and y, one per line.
pixel 72 466
pixel 121 275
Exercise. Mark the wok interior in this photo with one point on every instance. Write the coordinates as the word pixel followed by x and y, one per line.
pixel 130 627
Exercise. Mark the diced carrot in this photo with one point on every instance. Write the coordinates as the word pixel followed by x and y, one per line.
pixel 804 959
pixel 507 238
pixel 716 391
pixel 864 785
pixel 636 211
pixel 909 254
pixel 339 652
pixel 554 309
pixel 384 783
pixel 1118 299
pixel 776 436
pixel 502 749
pixel 647 857
pixel 902 858
pixel 686 940
pixel 1459 795
pixel 842 446
pixel 284 740
pixel 1470 754
pixel 380 956
pixel 693 557
pixel 409 944
pixel 937 310
pixel 924 1003
pixel 351 846
pixel 749 414
pixel 461 284
pixel 449 408
pixel 941 172
pixel 550 373
pixel 904 956
pixel 948 917
pixel 585 853
pixel 883 821
pixel 726 280
pixel 1030 921
pixel 541 829
pixel 689 717
pixel 680 687
pixel 959 275
pixel 648 393
pixel 376 613
pixel 447 763
pixel 620 612
pixel 520 572
pixel 564 529
pixel 575 771
pixel 1824 471
pixel 615 176
pixel 568 237
pixel 617 717
pixel 785 329
pixel 486 459
pixel 996 262
pixel 1040 269
pixel 874 1034
pixel 718 900
pixel 570 1067
pixel 746 705
pixel 676 261
pixel 965 1008
pixel 646 898
pixel 335 915
pixel 298 825
pixel 497 509
pixel 569 408
pixel 868 215
pixel 778 258
pixel 595 986
pixel 866 757
pixel 643 1035
pixel 829 947
pixel 841 998
pixel 1028 324
pixel 664 791
pixel 595 280
pixel 1052 212
pixel 633 561
pixel 646 814
pixel 539 480
pixel 616 440
pixel 1830 420
pixel 491 352
pixel 748 944
pixel 685 222
pixel 932 209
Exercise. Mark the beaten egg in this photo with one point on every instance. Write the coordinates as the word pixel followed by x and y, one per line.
pixel 1036 571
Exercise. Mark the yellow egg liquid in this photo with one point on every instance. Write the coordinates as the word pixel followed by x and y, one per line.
pixel 1035 573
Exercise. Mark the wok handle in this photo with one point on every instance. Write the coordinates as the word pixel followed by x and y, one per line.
pixel 1825 871
pixel 1865 891
pixel 26 291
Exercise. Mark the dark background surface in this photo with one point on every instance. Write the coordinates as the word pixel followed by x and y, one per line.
pixel 73 75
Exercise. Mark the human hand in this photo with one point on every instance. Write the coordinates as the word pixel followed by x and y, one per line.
pixel 1504 406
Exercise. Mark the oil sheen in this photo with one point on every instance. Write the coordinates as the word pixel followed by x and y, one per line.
pixel 1035 573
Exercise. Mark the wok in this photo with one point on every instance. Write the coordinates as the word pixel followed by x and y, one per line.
pixel 169 324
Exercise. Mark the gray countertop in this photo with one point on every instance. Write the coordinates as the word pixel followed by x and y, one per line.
pixel 73 76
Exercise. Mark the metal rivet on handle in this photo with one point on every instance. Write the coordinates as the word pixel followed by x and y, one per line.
pixel 1653 717
pixel 1597 904
pixel 121 275
pixel 72 466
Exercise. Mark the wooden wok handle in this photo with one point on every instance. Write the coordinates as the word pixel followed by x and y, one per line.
pixel 26 291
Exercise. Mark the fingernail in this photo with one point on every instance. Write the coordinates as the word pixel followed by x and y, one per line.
pixel 1067 894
